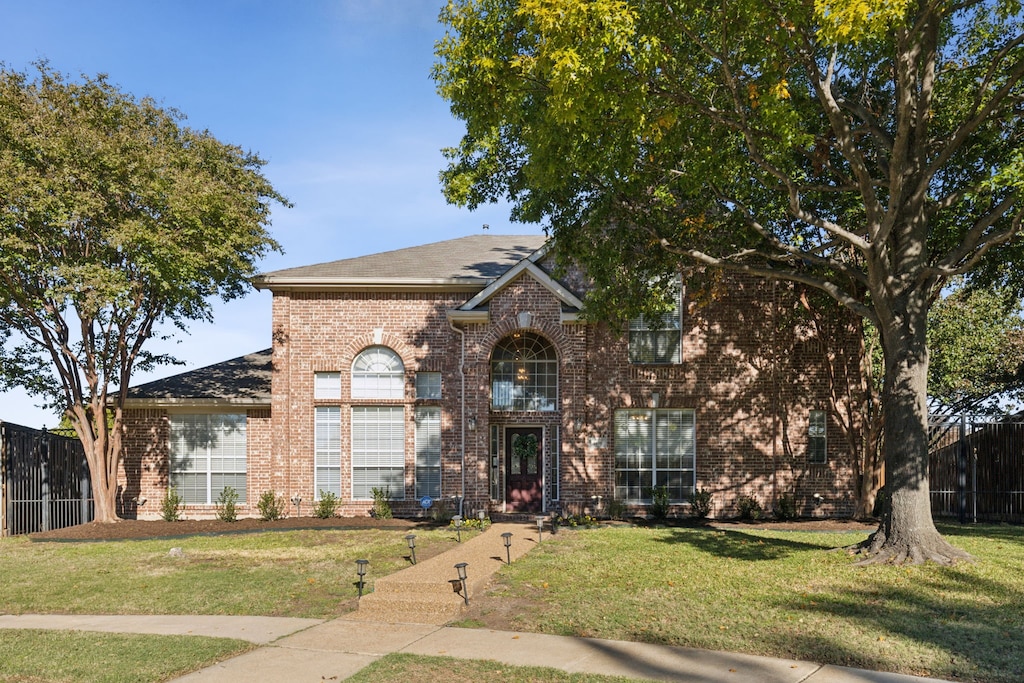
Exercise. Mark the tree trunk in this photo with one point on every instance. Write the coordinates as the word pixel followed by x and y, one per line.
pixel 103 462
pixel 907 532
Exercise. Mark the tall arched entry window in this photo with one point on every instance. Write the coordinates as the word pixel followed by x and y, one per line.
pixel 524 373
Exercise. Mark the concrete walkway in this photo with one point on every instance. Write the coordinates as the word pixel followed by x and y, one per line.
pixel 407 615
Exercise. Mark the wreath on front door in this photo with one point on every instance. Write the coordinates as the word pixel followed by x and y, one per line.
pixel 525 446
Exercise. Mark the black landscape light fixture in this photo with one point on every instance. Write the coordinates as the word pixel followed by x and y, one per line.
pixel 507 538
pixel 540 528
pixel 411 540
pixel 461 569
pixel 361 571
pixel 458 527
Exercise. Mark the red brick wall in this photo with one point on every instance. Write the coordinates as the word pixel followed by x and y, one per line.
pixel 755 361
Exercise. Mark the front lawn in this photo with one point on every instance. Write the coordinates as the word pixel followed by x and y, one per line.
pixel 777 593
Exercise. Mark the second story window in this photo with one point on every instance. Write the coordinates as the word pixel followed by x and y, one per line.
pixel 658 339
pixel 378 372
pixel 524 373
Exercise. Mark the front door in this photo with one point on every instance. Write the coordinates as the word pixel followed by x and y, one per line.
pixel 524 464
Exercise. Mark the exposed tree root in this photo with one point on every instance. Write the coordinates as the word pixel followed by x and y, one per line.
pixel 918 548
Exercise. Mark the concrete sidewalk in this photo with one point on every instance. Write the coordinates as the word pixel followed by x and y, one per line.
pixel 311 650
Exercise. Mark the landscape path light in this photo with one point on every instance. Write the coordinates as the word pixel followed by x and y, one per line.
pixel 361 571
pixel 458 527
pixel 297 502
pixel 411 540
pixel 540 528
pixel 461 569
pixel 507 538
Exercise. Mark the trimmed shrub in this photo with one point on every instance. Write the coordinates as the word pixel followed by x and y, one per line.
pixel 749 508
pixel 270 506
pixel 326 506
pixel 226 505
pixel 700 503
pixel 170 506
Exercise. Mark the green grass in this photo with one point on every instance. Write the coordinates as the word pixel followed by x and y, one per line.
pixel 781 594
pixel 36 656
pixel 420 669
pixel 307 573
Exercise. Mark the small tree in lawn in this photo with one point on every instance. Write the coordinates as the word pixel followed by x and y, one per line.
pixel 871 149
pixel 115 221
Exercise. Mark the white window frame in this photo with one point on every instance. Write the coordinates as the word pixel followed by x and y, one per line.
pixel 428 452
pixel 378 372
pixel 646 335
pixel 327 451
pixel 221 459
pixel 378 446
pixel 327 385
pixel 646 454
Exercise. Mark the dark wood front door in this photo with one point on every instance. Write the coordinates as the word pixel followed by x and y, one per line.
pixel 524 467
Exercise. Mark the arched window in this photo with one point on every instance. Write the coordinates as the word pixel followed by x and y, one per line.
pixel 524 373
pixel 378 372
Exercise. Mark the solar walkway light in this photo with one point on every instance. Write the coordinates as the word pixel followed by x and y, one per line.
pixel 507 538
pixel 458 526
pixel 540 528
pixel 411 540
pixel 461 569
pixel 361 571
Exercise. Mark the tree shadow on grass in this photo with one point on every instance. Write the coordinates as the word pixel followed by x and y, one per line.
pixel 741 545
pixel 976 639
pixel 1002 532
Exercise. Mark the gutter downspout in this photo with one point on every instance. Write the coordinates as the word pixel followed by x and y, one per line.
pixel 462 406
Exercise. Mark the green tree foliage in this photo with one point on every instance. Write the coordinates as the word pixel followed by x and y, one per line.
pixel 116 222
pixel 868 148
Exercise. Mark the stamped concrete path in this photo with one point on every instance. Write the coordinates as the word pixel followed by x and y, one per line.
pixel 404 614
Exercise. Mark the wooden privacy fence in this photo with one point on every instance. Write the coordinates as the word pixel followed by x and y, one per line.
pixel 44 481
pixel 976 470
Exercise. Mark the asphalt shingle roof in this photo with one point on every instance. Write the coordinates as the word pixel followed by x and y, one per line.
pixel 475 259
pixel 245 379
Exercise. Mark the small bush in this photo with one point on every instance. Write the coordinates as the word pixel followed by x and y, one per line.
pixel 170 506
pixel 700 503
pixel 616 509
pixel 381 503
pixel 326 506
pixel 575 521
pixel 270 506
pixel 749 508
pixel 226 505
pixel 659 503
pixel 473 523
pixel 785 506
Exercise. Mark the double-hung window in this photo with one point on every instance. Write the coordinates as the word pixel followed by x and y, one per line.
pixel 208 454
pixel 658 339
pixel 428 452
pixel 327 447
pixel 378 451
pixel 654 449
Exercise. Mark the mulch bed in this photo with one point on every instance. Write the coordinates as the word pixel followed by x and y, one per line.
pixel 131 529
pixel 134 529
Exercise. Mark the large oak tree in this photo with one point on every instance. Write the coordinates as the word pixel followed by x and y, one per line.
pixel 116 222
pixel 869 148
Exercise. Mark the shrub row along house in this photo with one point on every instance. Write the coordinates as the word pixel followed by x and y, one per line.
pixel 463 371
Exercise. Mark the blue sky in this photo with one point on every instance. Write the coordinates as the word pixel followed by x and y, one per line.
pixel 335 95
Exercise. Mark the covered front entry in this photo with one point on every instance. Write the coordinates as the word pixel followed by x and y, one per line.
pixel 524 467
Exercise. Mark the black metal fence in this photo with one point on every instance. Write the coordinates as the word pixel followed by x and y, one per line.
pixel 976 470
pixel 44 481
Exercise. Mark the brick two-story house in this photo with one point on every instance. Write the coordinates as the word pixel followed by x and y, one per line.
pixel 461 370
